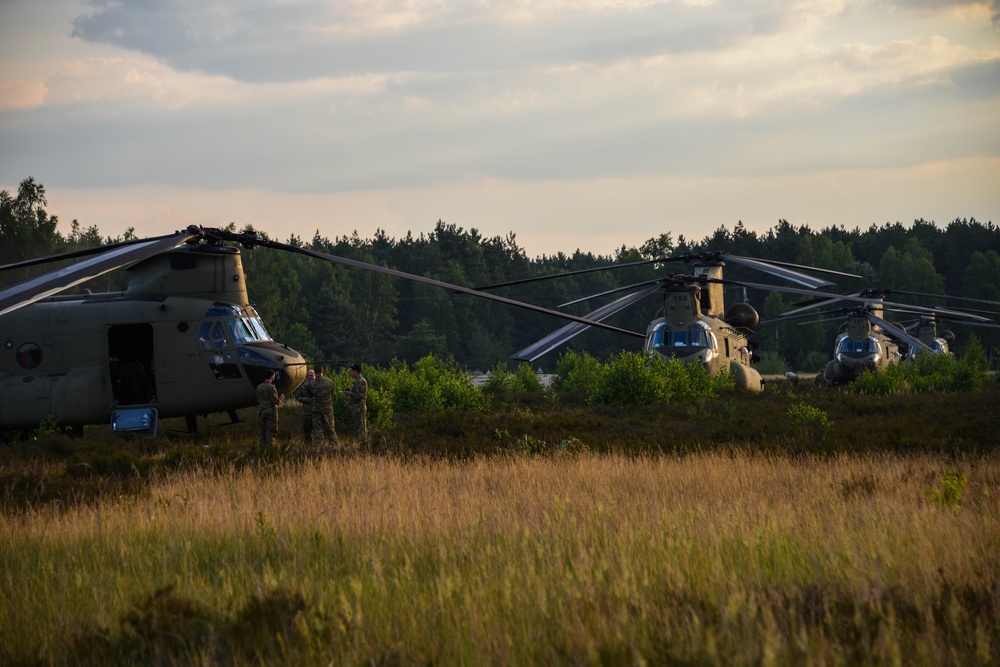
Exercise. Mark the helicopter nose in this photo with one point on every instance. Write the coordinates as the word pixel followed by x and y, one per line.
pixel 288 365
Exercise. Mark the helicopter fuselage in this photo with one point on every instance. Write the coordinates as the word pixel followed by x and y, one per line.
pixel 182 338
pixel 854 354
pixel 76 358
pixel 685 332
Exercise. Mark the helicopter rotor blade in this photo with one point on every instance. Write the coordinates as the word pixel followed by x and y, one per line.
pixel 892 330
pixel 846 297
pixel 775 268
pixel 251 241
pixel 557 338
pixel 524 281
pixel 984 325
pixel 780 272
pixel 47 284
pixel 808 268
pixel 819 302
pixel 940 296
pixel 612 291
pixel 83 252
pixel 786 317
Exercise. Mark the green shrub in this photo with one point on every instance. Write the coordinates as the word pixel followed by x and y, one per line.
pixel 577 371
pixel 890 381
pixel 974 355
pixel 632 378
pixel 453 386
pixel 47 427
pixel 501 383
pixel 949 493
pixel 433 385
pixel 927 372
pixel 409 392
pixel 526 377
pixel 688 382
pixel 771 363
pixel 809 416
pixel 629 379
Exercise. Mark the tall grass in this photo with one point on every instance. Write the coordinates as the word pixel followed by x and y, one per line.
pixel 709 558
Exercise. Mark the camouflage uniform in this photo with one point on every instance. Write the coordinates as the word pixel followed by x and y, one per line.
pixel 359 407
pixel 267 401
pixel 322 411
pixel 304 396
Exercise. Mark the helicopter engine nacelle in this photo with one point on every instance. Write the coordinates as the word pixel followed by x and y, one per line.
pixel 742 316
pixel 201 272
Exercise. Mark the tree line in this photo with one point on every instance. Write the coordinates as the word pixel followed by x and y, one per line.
pixel 338 314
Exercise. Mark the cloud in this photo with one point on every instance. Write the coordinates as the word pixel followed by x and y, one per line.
pixel 264 41
pixel 22 94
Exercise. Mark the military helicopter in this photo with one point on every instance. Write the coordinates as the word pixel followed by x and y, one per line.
pixel 866 341
pixel 693 324
pixel 926 329
pixel 181 340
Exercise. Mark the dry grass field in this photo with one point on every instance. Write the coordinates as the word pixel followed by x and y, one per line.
pixel 729 556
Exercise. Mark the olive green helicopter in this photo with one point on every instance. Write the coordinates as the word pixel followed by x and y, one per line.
pixel 866 341
pixel 693 325
pixel 182 339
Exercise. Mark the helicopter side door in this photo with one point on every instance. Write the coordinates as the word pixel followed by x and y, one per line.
pixel 130 355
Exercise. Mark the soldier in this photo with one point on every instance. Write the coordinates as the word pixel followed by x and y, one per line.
pixel 304 394
pixel 268 401
pixel 358 395
pixel 322 409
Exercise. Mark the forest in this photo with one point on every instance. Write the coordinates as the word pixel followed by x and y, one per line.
pixel 343 315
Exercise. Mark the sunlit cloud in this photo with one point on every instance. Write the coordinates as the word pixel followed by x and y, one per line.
pixel 22 94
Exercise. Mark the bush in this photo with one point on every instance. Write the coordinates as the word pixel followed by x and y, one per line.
pixel 771 363
pixel 632 378
pixel 577 371
pixel 927 372
pixel 950 493
pixel 504 384
pixel 527 379
pixel 808 416
pixel 890 381
pixel 433 385
pixel 629 379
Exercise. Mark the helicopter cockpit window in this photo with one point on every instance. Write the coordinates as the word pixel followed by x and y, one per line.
pixel 858 348
pixel 658 333
pixel 223 310
pixel 212 336
pixel 29 355
pixel 223 365
pixel 258 326
pixel 247 330
pixel 696 336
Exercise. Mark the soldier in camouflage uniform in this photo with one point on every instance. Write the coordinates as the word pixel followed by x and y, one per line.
pixel 358 395
pixel 268 401
pixel 304 396
pixel 322 410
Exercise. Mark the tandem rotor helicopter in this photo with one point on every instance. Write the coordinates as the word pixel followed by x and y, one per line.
pixel 693 325
pixel 866 341
pixel 181 340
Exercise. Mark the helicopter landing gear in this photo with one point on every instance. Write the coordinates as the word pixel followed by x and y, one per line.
pixel 191 421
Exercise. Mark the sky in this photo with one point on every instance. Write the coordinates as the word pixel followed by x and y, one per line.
pixel 572 124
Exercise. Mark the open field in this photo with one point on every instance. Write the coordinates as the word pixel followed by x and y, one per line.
pixel 721 533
